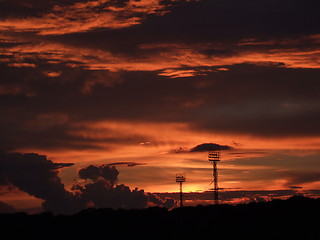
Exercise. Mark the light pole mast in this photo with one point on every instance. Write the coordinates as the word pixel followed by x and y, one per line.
pixel 180 178
pixel 214 157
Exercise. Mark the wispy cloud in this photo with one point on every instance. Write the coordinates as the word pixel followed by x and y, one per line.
pixel 83 16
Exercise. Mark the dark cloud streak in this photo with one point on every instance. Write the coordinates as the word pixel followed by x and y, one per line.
pixel 208 21
pixel 296 178
pixel 128 164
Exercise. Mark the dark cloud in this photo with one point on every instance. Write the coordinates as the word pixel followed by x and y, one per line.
pixel 232 196
pixel 36 117
pixel 239 154
pixel 30 8
pixel 280 161
pixel 261 100
pixel 294 171
pixel 248 99
pixel 190 22
pixel 103 192
pixel 6 208
pixel 301 177
pixel 36 175
pixel 155 200
pixel 24 8
pixel 204 147
pixel 223 66
pixel 52 135
pixel 128 164
pixel 48 99
pixel 107 173
pixel 100 195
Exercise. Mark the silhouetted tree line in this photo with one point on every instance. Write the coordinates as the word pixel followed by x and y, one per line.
pixel 296 217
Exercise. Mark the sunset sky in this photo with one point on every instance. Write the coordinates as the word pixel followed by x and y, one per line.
pixel 136 84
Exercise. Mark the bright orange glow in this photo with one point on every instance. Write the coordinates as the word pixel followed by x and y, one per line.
pixel 160 163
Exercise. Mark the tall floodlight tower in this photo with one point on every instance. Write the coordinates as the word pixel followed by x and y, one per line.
pixel 181 178
pixel 214 157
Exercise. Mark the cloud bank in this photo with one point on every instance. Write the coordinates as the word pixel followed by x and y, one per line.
pixel 36 175
pixel 218 66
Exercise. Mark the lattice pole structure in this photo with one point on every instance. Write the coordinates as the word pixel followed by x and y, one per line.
pixel 181 178
pixel 214 157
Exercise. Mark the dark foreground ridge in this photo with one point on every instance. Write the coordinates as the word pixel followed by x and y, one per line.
pixel 296 217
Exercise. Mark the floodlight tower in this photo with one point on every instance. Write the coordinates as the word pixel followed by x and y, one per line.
pixel 214 157
pixel 180 178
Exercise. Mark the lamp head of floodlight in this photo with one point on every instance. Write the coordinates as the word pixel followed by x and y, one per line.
pixel 180 177
pixel 214 155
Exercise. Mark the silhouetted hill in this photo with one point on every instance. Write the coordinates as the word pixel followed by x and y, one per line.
pixel 295 217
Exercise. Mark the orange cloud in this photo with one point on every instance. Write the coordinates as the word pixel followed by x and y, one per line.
pixel 169 61
pixel 83 16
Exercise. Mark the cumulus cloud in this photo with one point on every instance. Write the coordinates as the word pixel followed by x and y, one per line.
pixel 38 176
pixel 108 174
pixel 103 191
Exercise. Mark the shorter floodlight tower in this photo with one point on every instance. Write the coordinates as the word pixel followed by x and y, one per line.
pixel 214 157
pixel 180 178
